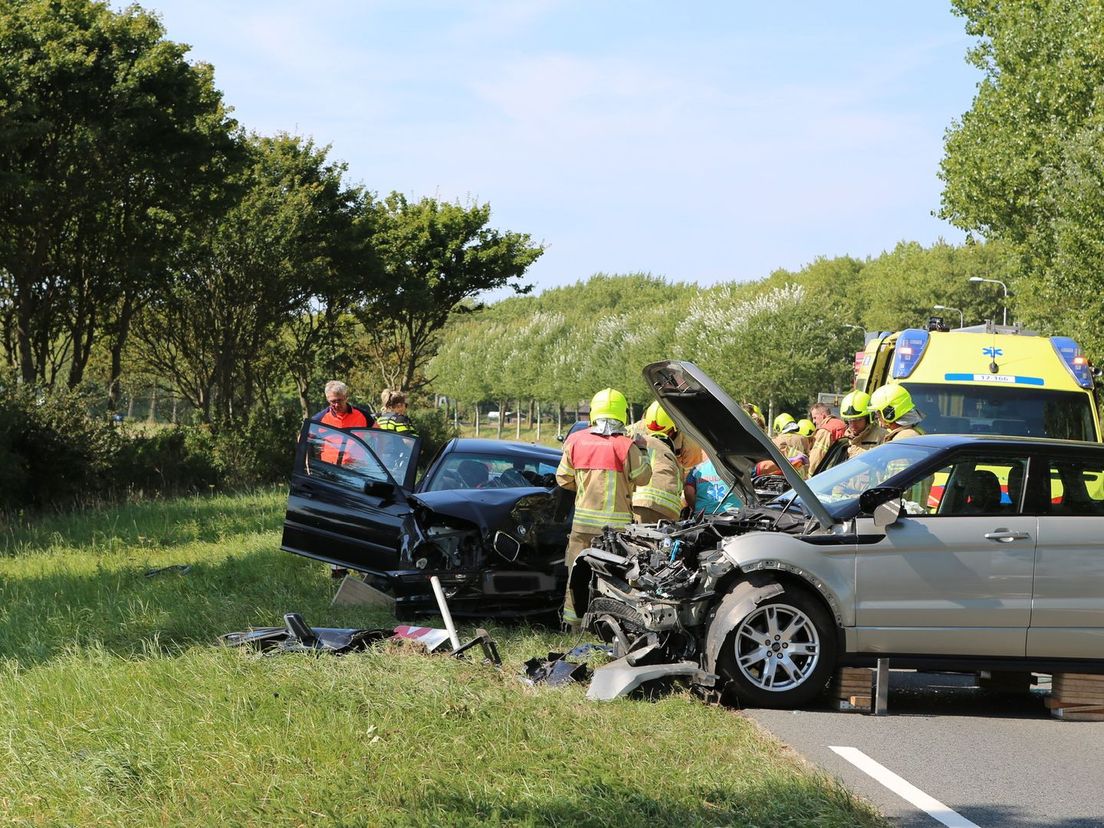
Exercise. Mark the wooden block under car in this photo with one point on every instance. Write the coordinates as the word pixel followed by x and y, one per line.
pixel 1077 697
pixel 852 689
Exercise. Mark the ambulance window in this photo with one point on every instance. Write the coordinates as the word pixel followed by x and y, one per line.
pixel 1013 411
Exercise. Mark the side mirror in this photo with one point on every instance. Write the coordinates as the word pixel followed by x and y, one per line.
pixel 379 488
pixel 884 503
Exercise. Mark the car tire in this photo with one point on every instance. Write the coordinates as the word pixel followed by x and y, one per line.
pixel 782 654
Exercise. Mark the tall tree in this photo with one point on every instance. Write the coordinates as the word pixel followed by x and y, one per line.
pixel 437 258
pixel 106 135
pixel 291 241
pixel 1010 158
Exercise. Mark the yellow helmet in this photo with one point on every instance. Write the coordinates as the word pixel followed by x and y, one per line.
pixel 805 427
pixel 657 421
pixel 609 404
pixel 891 402
pixel 855 405
pixel 783 420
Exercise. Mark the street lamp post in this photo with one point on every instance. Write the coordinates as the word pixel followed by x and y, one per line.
pixel 1003 285
pixel 961 315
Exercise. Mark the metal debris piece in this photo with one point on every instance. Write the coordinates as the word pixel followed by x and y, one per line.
pixel 180 569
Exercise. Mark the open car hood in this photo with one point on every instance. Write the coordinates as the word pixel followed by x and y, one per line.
pixel 704 411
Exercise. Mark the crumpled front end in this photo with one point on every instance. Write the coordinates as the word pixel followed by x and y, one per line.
pixel 667 594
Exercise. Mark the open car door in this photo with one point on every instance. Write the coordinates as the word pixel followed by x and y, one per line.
pixel 348 502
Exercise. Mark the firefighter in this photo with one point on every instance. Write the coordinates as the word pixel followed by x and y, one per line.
pixel 862 434
pixel 828 430
pixel 755 413
pixel 393 416
pixel 896 411
pixel 661 498
pixel 603 466
pixel 791 443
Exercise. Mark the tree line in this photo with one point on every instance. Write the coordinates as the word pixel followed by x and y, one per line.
pixel 147 237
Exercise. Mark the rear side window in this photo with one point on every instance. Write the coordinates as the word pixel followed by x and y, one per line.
pixel 1076 487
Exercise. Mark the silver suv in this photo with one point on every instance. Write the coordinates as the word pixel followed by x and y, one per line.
pixel 956 552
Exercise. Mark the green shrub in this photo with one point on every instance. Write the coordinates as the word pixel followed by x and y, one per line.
pixel 435 430
pixel 259 451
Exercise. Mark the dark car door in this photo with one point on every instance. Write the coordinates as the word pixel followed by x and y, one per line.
pixel 344 506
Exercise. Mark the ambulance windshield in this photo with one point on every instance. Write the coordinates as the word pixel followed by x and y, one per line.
pixel 1015 411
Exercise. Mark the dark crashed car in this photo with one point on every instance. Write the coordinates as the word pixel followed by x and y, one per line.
pixel 486 517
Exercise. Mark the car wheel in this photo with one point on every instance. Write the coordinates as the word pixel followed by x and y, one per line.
pixel 781 654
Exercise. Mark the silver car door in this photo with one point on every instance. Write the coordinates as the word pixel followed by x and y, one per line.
pixel 953 576
pixel 1067 613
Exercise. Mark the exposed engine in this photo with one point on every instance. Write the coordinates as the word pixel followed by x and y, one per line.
pixel 663 578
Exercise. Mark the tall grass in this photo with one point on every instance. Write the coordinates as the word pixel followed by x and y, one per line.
pixel 118 709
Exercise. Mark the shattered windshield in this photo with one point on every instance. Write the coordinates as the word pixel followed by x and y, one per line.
pixel 840 487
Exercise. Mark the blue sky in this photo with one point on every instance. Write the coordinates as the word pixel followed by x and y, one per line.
pixel 702 142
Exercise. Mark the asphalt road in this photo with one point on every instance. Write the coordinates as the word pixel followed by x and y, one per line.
pixel 992 760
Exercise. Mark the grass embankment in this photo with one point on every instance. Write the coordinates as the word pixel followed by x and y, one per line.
pixel 117 709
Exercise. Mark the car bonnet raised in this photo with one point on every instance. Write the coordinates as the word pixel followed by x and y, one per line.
pixel 703 410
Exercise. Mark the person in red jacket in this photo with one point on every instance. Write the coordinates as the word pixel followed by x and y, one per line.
pixel 340 414
pixel 828 430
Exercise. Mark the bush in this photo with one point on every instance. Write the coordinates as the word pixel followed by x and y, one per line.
pixel 171 460
pixel 259 451
pixel 435 430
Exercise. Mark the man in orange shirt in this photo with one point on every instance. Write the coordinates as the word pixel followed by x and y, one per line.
pixel 340 414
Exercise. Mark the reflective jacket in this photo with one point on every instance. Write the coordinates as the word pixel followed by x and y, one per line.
pixel 871 436
pixel 823 439
pixel 901 433
pixel 603 471
pixel 663 492
pixel 794 445
pixel 390 421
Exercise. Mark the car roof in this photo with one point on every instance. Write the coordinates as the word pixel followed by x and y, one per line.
pixel 505 448
pixel 947 441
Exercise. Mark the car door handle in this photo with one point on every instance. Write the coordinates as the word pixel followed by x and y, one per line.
pixel 1004 536
pixel 306 491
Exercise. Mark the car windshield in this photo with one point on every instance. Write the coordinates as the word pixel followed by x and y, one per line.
pixel 839 488
pixel 469 470
pixel 1014 411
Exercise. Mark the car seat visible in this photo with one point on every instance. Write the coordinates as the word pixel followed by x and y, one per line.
pixel 473 473
pixel 983 493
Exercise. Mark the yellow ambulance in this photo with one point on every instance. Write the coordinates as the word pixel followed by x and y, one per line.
pixel 987 379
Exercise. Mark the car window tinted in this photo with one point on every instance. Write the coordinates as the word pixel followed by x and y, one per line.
pixel 1076 487
pixel 969 486
pixel 463 470
pixel 339 457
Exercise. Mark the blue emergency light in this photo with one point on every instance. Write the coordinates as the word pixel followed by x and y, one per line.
pixel 911 343
pixel 1074 359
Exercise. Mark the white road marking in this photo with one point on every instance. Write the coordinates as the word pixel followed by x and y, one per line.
pixel 910 793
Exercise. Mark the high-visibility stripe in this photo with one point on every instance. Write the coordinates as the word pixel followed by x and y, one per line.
pixel 601 517
pixel 646 494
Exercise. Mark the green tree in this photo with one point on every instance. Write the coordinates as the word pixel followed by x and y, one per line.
pixel 220 329
pixel 109 140
pixel 437 258
pixel 1039 103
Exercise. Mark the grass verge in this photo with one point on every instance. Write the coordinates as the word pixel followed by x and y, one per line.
pixel 118 711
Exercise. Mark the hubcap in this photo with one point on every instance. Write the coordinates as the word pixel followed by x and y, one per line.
pixel 777 647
